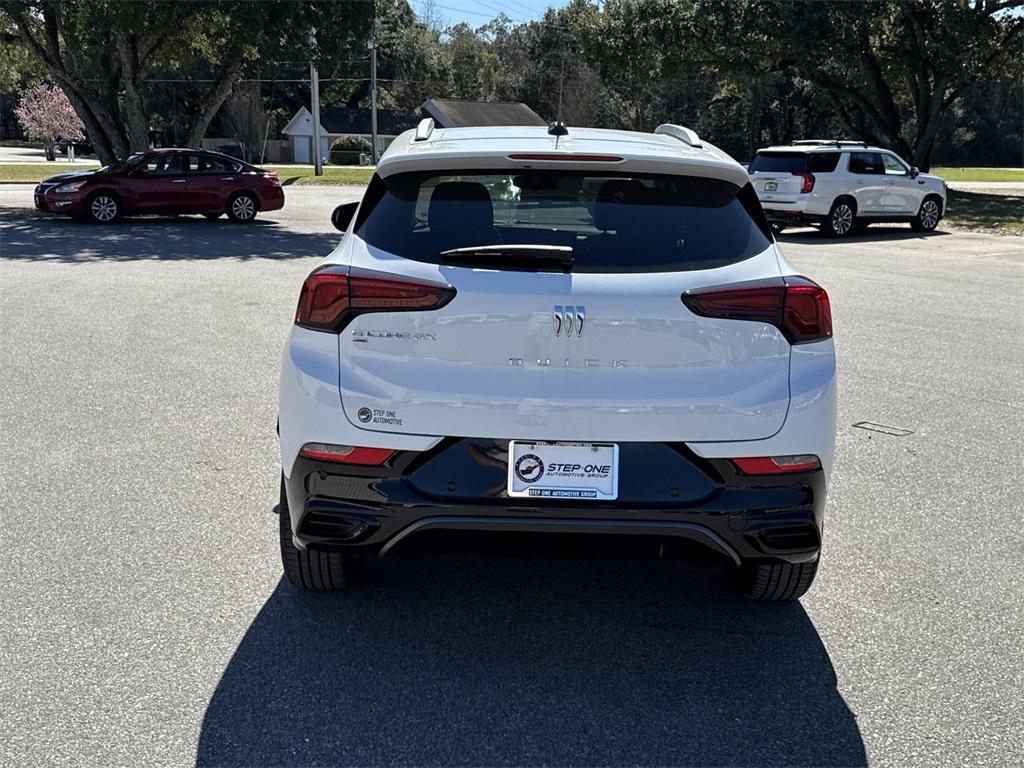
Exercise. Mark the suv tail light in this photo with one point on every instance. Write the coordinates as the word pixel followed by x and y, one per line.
pixel 331 297
pixel 807 181
pixel 777 465
pixel 795 305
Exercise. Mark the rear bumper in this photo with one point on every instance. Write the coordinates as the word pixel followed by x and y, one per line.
pixel 271 199
pixel 791 216
pixel 455 492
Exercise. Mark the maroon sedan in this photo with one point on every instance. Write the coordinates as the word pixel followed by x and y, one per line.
pixel 164 181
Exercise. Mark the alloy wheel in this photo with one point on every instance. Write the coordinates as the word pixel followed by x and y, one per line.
pixel 103 208
pixel 842 219
pixel 243 207
pixel 929 214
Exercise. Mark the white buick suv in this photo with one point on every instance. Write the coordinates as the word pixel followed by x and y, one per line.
pixel 841 186
pixel 568 340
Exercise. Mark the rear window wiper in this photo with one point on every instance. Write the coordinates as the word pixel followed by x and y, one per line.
pixel 526 255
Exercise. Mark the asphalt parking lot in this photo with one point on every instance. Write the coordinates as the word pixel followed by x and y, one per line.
pixel 145 621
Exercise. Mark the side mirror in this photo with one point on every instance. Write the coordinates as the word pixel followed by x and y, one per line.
pixel 915 172
pixel 342 216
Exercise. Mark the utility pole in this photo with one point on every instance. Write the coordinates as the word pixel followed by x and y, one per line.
pixel 373 90
pixel 314 92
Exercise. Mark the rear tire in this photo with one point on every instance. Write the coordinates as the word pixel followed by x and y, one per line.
pixel 242 207
pixel 307 569
pixel 841 218
pixel 928 216
pixel 776 581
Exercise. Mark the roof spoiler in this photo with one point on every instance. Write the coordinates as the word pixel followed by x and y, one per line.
pixel 682 133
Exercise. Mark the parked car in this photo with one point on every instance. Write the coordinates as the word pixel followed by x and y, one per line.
pixel 164 181
pixel 842 185
pixel 81 146
pixel 524 341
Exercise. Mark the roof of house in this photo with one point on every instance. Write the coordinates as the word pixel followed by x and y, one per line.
pixel 455 113
pixel 350 120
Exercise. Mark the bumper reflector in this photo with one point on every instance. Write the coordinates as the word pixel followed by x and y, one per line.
pixel 777 465
pixel 346 454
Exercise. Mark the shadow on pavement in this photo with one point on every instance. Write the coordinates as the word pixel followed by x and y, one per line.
pixel 513 661
pixel 27 236
pixel 870 234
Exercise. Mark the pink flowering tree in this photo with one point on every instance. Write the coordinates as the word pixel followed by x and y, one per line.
pixel 45 114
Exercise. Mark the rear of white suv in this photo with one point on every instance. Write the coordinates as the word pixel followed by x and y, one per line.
pixel 841 186
pixel 527 338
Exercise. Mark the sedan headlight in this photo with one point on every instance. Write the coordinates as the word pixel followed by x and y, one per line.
pixel 71 186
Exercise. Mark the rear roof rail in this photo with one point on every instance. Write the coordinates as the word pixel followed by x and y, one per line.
pixel 680 132
pixel 828 143
pixel 424 129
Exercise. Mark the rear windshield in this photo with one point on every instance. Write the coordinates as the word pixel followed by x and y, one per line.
pixel 794 162
pixel 612 222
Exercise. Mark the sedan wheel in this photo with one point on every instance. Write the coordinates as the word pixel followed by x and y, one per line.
pixel 928 217
pixel 840 219
pixel 242 207
pixel 104 208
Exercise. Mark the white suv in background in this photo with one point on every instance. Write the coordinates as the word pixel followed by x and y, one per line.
pixel 557 338
pixel 843 185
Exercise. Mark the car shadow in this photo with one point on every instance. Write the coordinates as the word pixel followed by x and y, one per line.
pixel 871 234
pixel 30 236
pixel 467 661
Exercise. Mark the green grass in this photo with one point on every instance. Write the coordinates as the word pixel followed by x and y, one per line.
pixel 994 214
pixel 979 174
pixel 30 173
pixel 332 175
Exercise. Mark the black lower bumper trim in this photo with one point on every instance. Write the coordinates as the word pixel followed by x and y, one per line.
pixel 565 525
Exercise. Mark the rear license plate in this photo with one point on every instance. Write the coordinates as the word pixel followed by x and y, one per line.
pixel 563 470
pixel 770 186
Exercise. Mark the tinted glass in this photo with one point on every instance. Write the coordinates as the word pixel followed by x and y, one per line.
pixel 784 162
pixel 165 164
pixel 209 164
pixel 613 222
pixel 823 162
pixel 866 162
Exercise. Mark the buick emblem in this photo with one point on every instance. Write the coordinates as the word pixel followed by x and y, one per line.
pixel 568 319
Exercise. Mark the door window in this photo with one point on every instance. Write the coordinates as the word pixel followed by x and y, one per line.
pixel 894 166
pixel 165 165
pixel 866 162
pixel 209 164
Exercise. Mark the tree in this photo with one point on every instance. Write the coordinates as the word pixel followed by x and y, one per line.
pixel 104 53
pixel 245 115
pixel 889 71
pixel 45 114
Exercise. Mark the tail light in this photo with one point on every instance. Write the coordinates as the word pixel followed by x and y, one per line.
pixel 795 305
pixel 331 297
pixel 272 177
pixel 347 454
pixel 806 181
pixel 777 465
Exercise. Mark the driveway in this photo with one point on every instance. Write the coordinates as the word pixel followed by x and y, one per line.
pixel 146 622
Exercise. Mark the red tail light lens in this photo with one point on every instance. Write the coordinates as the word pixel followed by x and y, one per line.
pixel 795 305
pixel 807 181
pixel 777 465
pixel 331 297
pixel 347 454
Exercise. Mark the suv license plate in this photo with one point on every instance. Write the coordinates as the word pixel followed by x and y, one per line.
pixel 770 186
pixel 563 470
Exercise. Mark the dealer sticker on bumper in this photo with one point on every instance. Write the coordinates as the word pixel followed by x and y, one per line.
pixel 563 470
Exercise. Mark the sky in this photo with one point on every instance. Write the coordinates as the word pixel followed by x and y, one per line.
pixel 478 12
